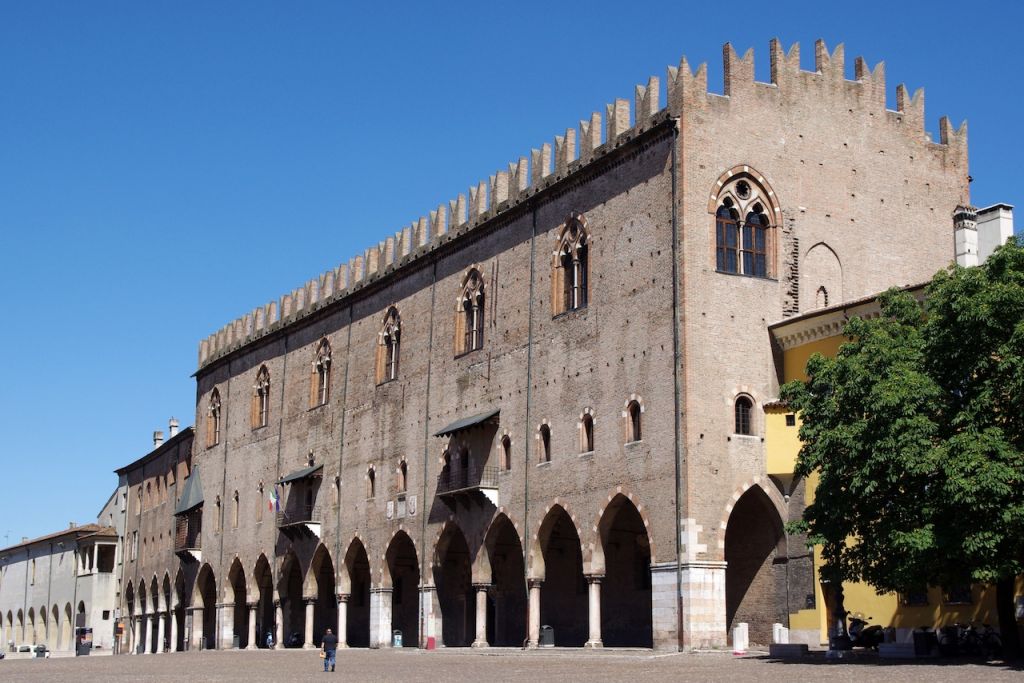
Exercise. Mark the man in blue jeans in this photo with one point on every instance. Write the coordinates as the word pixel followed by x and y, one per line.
pixel 330 647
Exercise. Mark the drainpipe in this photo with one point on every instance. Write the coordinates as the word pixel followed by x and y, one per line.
pixel 426 454
pixel 341 458
pixel 529 405
pixel 220 522
pixel 677 359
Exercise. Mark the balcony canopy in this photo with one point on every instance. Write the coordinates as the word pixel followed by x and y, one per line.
pixel 192 496
pixel 304 473
pixel 467 422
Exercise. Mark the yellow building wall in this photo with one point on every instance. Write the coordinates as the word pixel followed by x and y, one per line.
pixel 782 446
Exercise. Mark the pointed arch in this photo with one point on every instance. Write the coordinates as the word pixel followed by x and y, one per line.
pixel 452 569
pixel 67 628
pixel 355 580
pixel 821 277
pixel 290 594
pixel 260 411
pixel 320 376
pixel 388 343
pixel 570 268
pixel 623 556
pixel 402 575
pixel 746 214
pixel 500 563
pixel 469 313
pixel 213 419
pixel 262 588
pixel 755 583
pixel 557 559
pixel 320 586
pixel 236 593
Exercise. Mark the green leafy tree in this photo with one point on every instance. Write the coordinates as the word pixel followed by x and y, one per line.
pixel 916 432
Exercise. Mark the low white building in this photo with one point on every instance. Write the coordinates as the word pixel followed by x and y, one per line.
pixel 53 589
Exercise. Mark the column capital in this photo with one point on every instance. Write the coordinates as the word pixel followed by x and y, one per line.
pixel 535 583
pixel 308 601
pixel 343 597
pixel 595 578
pixel 253 605
pixel 481 586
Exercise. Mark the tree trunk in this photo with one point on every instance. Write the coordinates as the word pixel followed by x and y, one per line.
pixel 1005 608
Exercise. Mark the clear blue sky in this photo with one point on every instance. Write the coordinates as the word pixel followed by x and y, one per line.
pixel 167 166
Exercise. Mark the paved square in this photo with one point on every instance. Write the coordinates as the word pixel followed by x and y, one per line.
pixel 494 665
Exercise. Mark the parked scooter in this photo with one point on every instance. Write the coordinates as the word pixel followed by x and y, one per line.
pixel 864 635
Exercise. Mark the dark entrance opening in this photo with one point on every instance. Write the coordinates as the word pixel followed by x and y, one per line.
pixel 563 598
pixel 405 580
pixel 755 576
pixel 626 588
pixel 358 610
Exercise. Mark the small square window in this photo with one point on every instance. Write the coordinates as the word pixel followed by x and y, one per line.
pixel 791 420
pixel 106 615
pixel 959 595
pixel 917 597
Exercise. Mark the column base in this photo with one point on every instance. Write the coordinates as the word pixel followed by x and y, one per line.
pixel 593 644
pixel 480 643
pixel 308 646
pixel 278 646
pixel 251 647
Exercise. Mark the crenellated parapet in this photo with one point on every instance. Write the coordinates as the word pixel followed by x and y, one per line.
pixel 568 154
pixel 687 88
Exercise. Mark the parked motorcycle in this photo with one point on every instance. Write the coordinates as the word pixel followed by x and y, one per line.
pixel 863 634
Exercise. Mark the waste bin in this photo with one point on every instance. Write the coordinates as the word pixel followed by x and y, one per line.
pixel 924 643
pixel 83 649
pixel 236 642
pixel 396 638
pixel 547 636
pixel 40 651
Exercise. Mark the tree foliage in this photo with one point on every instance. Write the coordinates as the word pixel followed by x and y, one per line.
pixel 915 430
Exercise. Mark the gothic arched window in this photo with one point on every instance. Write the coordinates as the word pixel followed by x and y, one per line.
pixel 213 420
pixel 320 381
pixel 387 347
pixel 469 325
pixel 744 227
pixel 261 398
pixel 571 274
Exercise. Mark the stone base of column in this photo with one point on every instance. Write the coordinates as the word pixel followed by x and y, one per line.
pixel 251 646
pixel 593 644
pixel 480 643
pixel 309 646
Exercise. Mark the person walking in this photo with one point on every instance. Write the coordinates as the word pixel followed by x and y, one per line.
pixel 330 647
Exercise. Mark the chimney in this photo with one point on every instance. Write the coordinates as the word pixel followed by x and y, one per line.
pixel 995 226
pixel 172 428
pixel 965 231
pixel 71 525
pixel 158 438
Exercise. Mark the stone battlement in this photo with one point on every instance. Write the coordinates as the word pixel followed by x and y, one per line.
pixel 597 136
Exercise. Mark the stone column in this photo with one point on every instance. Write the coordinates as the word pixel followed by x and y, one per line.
pixel 310 608
pixel 147 643
pixel 431 616
pixel 252 626
pixel 133 635
pixel 380 617
pixel 226 625
pixel 342 631
pixel 172 616
pixel 481 614
pixel 278 626
pixel 595 611
pixel 160 617
pixel 197 629
pixel 534 630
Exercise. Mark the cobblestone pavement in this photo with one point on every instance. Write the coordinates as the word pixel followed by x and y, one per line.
pixel 490 667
